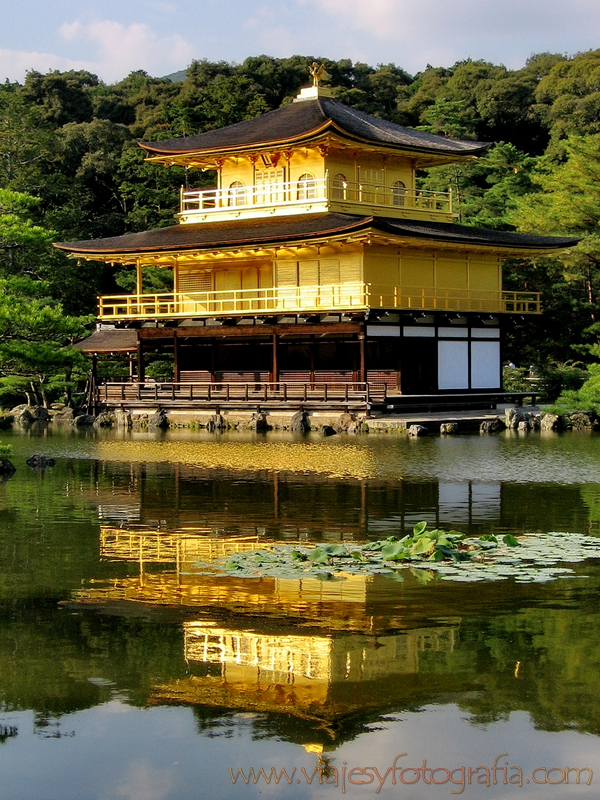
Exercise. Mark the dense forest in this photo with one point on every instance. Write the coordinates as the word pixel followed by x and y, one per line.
pixel 71 169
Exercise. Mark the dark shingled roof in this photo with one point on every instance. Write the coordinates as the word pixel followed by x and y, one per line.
pixel 208 236
pixel 300 121
pixel 120 340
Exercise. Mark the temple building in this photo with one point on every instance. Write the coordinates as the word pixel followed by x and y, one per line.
pixel 315 271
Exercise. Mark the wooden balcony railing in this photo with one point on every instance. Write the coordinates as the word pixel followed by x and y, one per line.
pixel 236 302
pixel 235 393
pixel 292 193
pixel 206 200
pixel 298 299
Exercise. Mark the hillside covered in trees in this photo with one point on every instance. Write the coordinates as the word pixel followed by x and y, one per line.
pixel 71 169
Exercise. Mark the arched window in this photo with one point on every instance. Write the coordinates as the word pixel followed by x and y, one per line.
pixel 237 194
pixel 339 184
pixel 307 187
pixel 398 192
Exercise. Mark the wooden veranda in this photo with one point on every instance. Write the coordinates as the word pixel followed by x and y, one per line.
pixel 347 396
pixel 235 394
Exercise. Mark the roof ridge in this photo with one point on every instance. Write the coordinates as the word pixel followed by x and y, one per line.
pixel 323 112
pixel 297 121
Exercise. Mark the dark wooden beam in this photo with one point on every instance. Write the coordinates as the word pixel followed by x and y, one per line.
pixel 176 342
pixel 141 367
pixel 252 331
pixel 362 369
pixel 275 365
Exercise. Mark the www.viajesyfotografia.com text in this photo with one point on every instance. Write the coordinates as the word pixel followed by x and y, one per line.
pixel 399 773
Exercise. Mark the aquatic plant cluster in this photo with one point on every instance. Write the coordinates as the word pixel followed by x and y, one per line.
pixel 427 553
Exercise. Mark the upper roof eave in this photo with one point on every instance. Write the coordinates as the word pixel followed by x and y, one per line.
pixel 296 123
pixel 217 149
pixel 198 237
pixel 306 139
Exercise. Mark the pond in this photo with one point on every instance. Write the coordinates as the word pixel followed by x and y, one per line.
pixel 126 673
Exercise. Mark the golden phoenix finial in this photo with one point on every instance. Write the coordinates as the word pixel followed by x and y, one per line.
pixel 318 73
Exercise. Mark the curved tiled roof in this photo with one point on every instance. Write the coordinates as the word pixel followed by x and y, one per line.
pixel 120 340
pixel 301 120
pixel 259 232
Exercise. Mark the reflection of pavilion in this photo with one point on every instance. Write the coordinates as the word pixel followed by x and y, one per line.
pixel 187 586
pixel 356 603
pixel 216 500
pixel 320 658
pixel 297 659
pixel 170 577
pixel 156 547
pixel 326 652
pixel 324 678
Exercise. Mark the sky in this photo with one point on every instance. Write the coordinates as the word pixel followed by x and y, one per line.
pixel 111 38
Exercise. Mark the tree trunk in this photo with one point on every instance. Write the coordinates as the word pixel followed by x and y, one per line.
pixel 34 394
pixel 68 388
pixel 590 293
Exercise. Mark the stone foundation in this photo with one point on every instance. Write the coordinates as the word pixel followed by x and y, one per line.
pixel 327 423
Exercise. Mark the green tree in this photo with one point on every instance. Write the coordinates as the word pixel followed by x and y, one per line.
pixel 36 357
pixel 62 96
pixel 82 197
pixel 18 233
pixel 568 99
pixel 486 190
pixel 27 144
pixel 567 202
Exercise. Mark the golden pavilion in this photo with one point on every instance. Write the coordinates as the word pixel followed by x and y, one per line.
pixel 315 271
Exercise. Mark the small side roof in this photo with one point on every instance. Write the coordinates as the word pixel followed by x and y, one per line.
pixel 119 340
pixel 297 122
pixel 275 230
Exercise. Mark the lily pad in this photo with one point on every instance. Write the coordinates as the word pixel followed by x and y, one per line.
pixel 430 555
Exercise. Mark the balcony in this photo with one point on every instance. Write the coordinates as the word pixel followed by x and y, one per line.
pixel 313 195
pixel 299 299
pixel 238 394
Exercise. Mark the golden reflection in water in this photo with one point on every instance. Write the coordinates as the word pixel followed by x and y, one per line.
pixel 179 547
pixel 345 604
pixel 335 605
pixel 299 659
pixel 317 650
pixel 309 675
pixel 336 459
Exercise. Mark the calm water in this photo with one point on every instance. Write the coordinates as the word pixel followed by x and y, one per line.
pixel 125 674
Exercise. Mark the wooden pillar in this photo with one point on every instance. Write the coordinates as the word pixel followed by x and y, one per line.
pixel 312 358
pixel 139 287
pixel 176 297
pixel 275 365
pixel 141 367
pixel 362 378
pixel 175 275
pixel 212 359
pixel 175 357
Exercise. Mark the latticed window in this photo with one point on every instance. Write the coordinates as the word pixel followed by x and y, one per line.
pixel 339 184
pixel 270 185
pixel 398 192
pixel 237 194
pixel 372 183
pixel 191 280
pixel 307 187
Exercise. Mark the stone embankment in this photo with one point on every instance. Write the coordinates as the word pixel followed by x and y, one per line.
pixel 327 423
